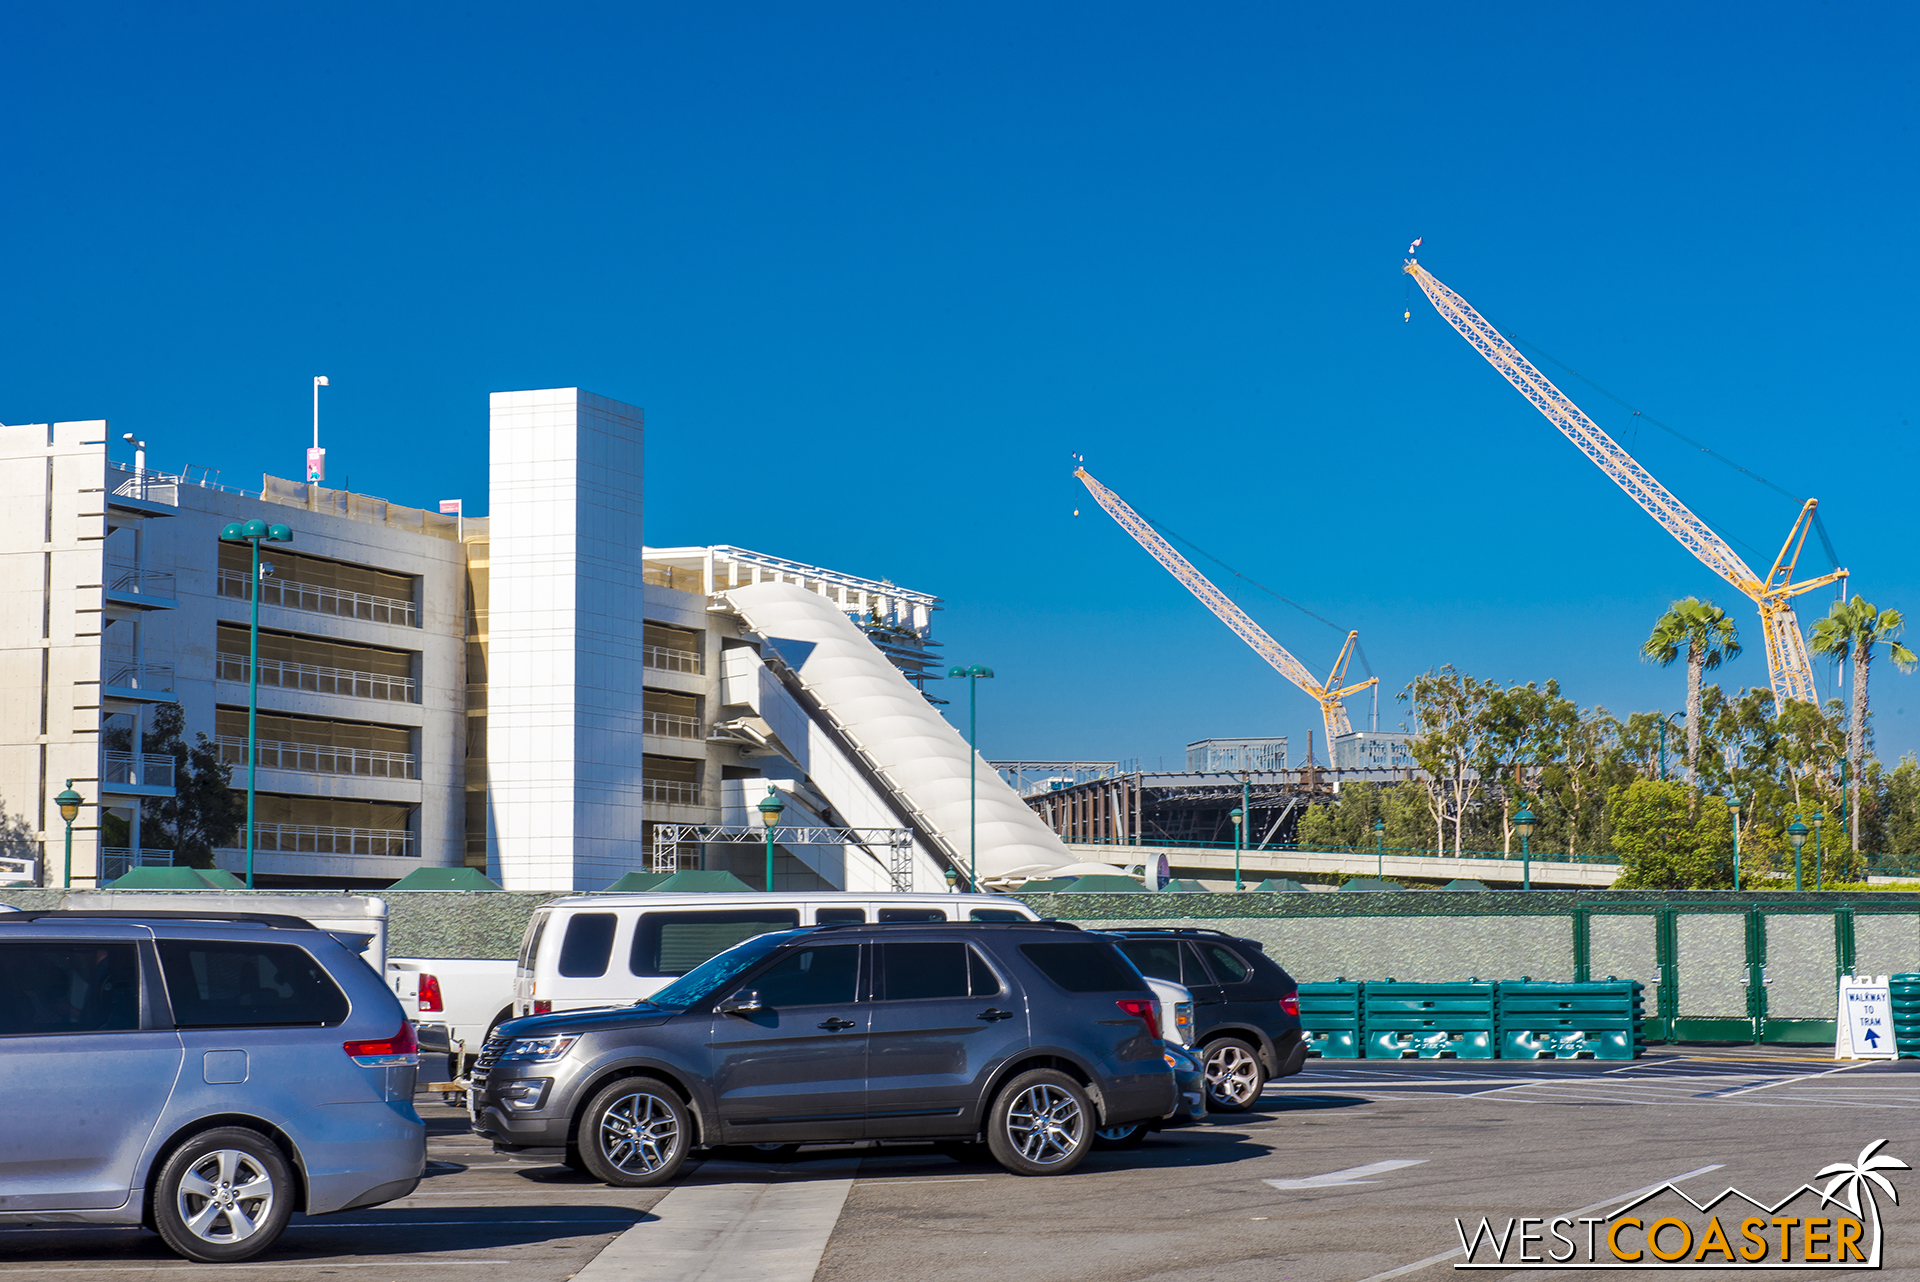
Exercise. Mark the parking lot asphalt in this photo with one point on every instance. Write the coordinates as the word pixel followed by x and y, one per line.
pixel 1276 1194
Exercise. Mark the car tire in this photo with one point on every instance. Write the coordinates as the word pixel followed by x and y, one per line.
pixel 1041 1124
pixel 1235 1076
pixel 224 1196
pixel 635 1133
pixel 1116 1137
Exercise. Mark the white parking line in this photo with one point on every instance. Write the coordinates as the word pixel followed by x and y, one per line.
pixel 1804 1077
pixel 155 1266
pixel 1345 1179
pixel 714 1232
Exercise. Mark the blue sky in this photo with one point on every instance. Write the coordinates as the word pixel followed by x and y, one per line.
pixel 876 272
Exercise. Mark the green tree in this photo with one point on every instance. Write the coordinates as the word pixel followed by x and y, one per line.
pixel 1707 636
pixel 204 813
pixel 1900 801
pixel 1449 709
pixel 1665 840
pixel 1851 629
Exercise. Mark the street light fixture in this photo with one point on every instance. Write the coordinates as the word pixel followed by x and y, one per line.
pixel 1733 810
pixel 770 808
pixel 1523 824
pixel 1379 849
pixel 1818 818
pixel 70 803
pixel 253 533
pixel 1239 818
pixel 1797 834
pixel 973 673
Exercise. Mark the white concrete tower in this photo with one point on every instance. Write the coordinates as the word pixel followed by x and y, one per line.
pixel 564 694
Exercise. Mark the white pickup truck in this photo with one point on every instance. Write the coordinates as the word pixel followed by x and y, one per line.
pixel 454 1002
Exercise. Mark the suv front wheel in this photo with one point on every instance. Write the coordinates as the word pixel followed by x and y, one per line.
pixel 1234 1075
pixel 1042 1124
pixel 225 1195
pixel 635 1133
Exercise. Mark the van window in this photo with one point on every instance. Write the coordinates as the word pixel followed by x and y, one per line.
pixel 588 944
pixel 838 916
pixel 912 914
pixel 530 948
pixel 68 988
pixel 1084 967
pixel 220 984
pixel 673 943
pixel 996 914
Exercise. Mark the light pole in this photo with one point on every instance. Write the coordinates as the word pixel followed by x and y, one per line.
pixel 253 533
pixel 1379 849
pixel 70 803
pixel 1797 834
pixel 1523 824
pixel 1672 716
pixel 1239 817
pixel 1817 870
pixel 1733 809
pixel 973 673
pixel 770 808
pixel 317 457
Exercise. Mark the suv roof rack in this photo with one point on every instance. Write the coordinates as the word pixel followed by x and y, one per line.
pixel 1048 923
pixel 274 921
pixel 1184 930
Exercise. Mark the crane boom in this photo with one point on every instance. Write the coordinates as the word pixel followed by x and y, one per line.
pixel 1788 667
pixel 1332 711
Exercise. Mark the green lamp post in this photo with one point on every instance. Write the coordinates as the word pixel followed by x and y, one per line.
pixel 253 533
pixel 1818 818
pixel 1733 810
pixel 973 673
pixel 1523 824
pixel 70 802
pixel 770 808
pixel 1796 834
pixel 1239 818
pixel 1379 849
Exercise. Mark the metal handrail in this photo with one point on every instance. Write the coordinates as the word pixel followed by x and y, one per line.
pixel 1539 856
pixel 319 680
pixel 672 724
pixel 118 861
pixel 320 839
pixel 129 675
pixel 138 579
pixel 674 792
pixel 148 769
pixel 321 758
pixel 292 594
pixel 667 659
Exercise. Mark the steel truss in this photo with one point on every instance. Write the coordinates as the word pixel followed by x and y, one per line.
pixel 668 838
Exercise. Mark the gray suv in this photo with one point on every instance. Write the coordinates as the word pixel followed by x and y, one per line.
pixel 1029 1035
pixel 205 1075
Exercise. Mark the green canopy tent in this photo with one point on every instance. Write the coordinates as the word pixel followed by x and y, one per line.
pixel 1464 883
pixel 1047 885
pixel 640 881
pixel 1186 886
pixel 1280 883
pixel 1103 884
pixel 703 881
pixel 445 879
pixel 1370 883
pixel 166 877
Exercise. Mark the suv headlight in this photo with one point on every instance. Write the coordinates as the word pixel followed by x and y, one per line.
pixel 539 1050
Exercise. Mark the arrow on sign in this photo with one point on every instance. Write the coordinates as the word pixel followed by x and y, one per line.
pixel 1353 1175
pixel 1872 1039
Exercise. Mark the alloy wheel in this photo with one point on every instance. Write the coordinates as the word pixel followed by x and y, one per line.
pixel 639 1133
pixel 1233 1075
pixel 1045 1124
pixel 225 1197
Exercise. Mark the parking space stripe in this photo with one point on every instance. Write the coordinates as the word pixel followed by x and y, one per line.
pixel 709 1232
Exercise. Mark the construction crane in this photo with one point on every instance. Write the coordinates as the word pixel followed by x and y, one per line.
pixel 1328 694
pixel 1788 667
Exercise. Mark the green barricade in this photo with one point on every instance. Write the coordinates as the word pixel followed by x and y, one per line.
pixel 1599 1020
pixel 1429 1021
pixel 1905 992
pixel 1331 1020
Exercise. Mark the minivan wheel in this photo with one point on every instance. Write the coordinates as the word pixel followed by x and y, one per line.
pixel 1234 1076
pixel 224 1195
pixel 1122 1136
pixel 635 1133
pixel 1042 1124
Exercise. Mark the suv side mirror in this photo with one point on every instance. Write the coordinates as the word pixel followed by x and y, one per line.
pixel 745 1002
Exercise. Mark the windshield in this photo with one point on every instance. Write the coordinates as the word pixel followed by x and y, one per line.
pixel 714 974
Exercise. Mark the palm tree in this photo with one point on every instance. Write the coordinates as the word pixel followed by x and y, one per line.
pixel 1709 637
pixel 1855 1176
pixel 1850 630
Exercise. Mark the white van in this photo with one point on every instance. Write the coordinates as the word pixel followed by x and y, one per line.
pixel 607 950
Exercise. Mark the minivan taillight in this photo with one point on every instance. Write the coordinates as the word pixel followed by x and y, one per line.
pixel 1142 1011
pixel 1290 1005
pixel 543 1008
pixel 430 994
pixel 400 1049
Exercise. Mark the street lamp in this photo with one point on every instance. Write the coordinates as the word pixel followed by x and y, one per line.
pixel 1523 824
pixel 70 803
pixel 1797 834
pixel 1817 870
pixel 1379 849
pixel 973 673
pixel 953 880
pixel 253 533
pixel 1239 817
pixel 1733 809
pixel 770 808
pixel 1672 716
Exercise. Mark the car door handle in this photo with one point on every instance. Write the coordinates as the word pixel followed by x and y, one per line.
pixel 990 1014
pixel 836 1024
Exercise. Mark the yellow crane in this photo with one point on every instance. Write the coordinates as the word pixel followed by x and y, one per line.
pixel 1328 694
pixel 1788 667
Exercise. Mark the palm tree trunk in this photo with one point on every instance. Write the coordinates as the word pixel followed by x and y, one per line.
pixel 1857 732
pixel 1696 665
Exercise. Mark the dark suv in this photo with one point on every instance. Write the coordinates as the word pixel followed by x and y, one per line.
pixel 1031 1035
pixel 1246 1010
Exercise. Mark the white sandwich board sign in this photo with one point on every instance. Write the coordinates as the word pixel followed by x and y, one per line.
pixel 1865 1027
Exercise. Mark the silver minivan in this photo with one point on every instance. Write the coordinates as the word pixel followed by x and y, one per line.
pixel 203 1074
